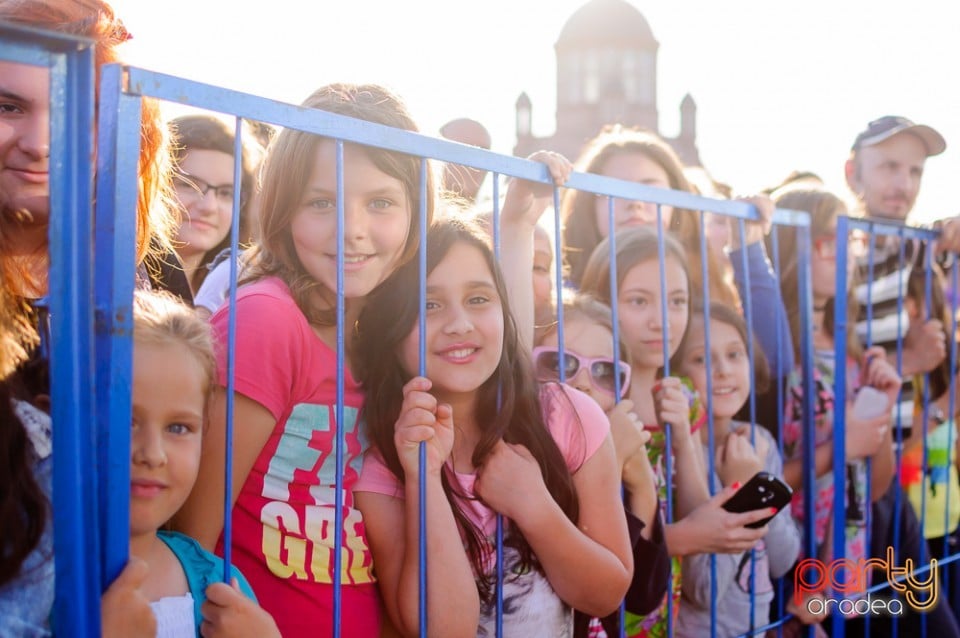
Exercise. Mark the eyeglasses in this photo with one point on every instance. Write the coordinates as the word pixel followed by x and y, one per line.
pixel 603 370
pixel 196 188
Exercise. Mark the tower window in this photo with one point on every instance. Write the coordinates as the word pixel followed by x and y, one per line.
pixel 591 77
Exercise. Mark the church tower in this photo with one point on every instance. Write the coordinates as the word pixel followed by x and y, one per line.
pixel 606 74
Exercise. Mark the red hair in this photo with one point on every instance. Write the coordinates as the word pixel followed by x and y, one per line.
pixel 95 19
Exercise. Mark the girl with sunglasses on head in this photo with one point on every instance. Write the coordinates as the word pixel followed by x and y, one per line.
pixel 700 523
pixel 590 364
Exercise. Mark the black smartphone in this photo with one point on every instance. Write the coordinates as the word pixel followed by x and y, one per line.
pixel 760 492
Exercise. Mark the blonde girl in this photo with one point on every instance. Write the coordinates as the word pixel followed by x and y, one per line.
pixel 173 373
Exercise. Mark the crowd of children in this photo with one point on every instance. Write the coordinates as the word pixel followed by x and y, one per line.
pixel 605 424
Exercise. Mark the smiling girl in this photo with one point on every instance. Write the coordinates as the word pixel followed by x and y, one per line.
pixel 169 415
pixel 284 468
pixel 737 460
pixel 590 364
pixel 540 456
pixel 203 181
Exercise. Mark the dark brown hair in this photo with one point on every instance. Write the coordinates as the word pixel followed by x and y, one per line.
pixel 24 509
pixel 508 403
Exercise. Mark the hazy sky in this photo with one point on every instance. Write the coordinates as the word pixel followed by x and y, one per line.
pixel 779 85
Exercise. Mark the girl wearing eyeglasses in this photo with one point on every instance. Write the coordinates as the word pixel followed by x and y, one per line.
pixel 590 364
pixel 203 182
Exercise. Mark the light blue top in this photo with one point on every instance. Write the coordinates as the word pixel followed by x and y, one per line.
pixel 202 569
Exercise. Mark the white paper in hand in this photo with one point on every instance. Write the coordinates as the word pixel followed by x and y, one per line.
pixel 870 403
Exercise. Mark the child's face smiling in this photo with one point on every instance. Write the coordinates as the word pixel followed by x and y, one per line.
pixel 206 217
pixel 464 336
pixel 25 140
pixel 376 221
pixel 729 367
pixel 168 417
pixel 640 305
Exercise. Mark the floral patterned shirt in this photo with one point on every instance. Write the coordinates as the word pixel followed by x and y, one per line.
pixel 855 486
pixel 654 624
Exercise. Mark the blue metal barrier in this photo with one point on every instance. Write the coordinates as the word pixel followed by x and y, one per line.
pixel 91 375
pixel 921 237
pixel 76 526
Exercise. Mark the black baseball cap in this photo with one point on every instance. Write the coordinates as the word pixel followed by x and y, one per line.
pixel 889 125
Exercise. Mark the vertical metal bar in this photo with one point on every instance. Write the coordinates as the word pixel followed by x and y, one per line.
pixel 899 446
pixel 839 412
pixel 871 249
pixel 805 303
pixel 925 417
pixel 341 375
pixel 231 358
pixel 711 432
pixel 496 215
pixel 614 293
pixel 118 150
pixel 617 390
pixel 868 497
pixel 558 280
pixel 72 381
pixel 667 438
pixel 499 530
pixel 952 403
pixel 775 249
pixel 748 313
pixel 805 299
pixel 422 487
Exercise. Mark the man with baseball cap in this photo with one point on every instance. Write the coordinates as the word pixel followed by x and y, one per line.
pixel 884 171
pixel 886 164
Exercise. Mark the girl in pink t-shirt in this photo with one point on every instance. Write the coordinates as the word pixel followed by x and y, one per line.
pixel 497 443
pixel 285 419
